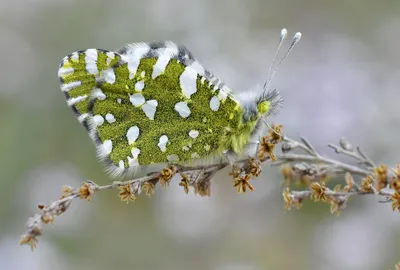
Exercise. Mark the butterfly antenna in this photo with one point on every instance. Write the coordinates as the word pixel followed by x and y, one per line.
pixel 281 39
pixel 272 70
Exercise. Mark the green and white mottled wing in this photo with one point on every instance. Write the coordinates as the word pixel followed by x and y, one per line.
pixel 77 74
pixel 159 105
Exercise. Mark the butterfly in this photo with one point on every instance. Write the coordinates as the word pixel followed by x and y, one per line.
pixel 154 103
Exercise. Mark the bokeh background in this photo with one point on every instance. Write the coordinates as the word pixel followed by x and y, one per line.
pixel 342 80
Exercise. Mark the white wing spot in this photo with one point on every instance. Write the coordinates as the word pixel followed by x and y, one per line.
pixel 149 108
pixel 137 99
pixel 183 109
pixel 97 93
pixel 143 74
pixel 222 94
pixel 193 134
pixel 75 57
pixel 109 76
pixel 98 120
pixel 65 71
pixel 119 100
pixel 197 67
pixel 110 57
pixel 173 158
pixel 135 152
pixel 133 57
pixel 160 65
pixel 214 103
pixel 82 117
pixel 139 86
pixel 121 164
pixel 134 161
pixel 185 148
pixel 188 82
pixel 91 61
pixel 107 147
pixel 110 118
pixel 132 134
pixel 68 86
pixel 73 101
pixel 162 143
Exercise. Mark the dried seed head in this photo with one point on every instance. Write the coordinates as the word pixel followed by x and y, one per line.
pixel 288 146
pixel 381 176
pixel 86 191
pixel 242 182
pixel 126 193
pixel 318 192
pixel 166 175
pixel 366 184
pixel 346 145
pixel 184 182
pixel 395 201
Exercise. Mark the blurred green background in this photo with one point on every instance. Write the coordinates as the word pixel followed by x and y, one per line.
pixel 342 79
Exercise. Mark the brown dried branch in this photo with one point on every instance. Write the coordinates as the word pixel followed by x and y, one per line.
pixel 310 168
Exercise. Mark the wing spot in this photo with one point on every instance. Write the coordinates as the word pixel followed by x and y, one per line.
pixel 160 65
pixel 121 164
pixel 173 158
pixel 109 76
pixel 139 86
pixel 110 57
pixel 91 61
pixel 107 146
pixel 135 154
pixel 193 134
pixel 183 109
pixel 97 93
pixel 149 108
pixel 214 103
pixel 75 100
pixel 162 143
pixel 110 118
pixel 137 99
pixel 187 81
pixel 98 120
pixel 68 86
pixel 132 134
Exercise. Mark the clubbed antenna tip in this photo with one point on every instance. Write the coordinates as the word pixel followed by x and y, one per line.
pixel 273 69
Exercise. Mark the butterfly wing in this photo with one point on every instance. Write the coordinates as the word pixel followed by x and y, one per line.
pixel 156 104
pixel 77 74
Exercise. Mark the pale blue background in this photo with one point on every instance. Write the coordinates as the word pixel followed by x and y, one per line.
pixel 342 79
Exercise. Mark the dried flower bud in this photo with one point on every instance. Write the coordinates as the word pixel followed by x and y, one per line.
pixel 396 201
pixel 86 191
pixel 166 175
pixel 346 145
pixel 47 218
pixel 318 192
pixel 184 182
pixel 288 146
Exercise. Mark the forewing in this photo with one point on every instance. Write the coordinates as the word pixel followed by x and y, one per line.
pixel 161 106
pixel 77 74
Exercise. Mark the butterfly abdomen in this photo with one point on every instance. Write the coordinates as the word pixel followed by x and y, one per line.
pixel 77 74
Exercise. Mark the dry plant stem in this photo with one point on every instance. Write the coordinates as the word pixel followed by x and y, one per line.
pixel 35 224
pixel 338 166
